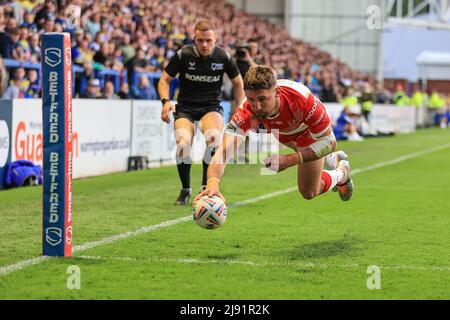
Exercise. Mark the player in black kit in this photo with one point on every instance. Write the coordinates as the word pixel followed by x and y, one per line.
pixel 200 68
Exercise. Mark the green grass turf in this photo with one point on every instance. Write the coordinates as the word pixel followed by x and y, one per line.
pixel 280 248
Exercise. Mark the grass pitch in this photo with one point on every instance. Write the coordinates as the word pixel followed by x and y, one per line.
pixel 278 247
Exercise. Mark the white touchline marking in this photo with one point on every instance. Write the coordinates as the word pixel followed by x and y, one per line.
pixel 400 159
pixel 108 240
pixel 304 264
pixel 4 270
pixel 22 264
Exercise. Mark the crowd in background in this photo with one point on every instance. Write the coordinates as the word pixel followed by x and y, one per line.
pixel 141 36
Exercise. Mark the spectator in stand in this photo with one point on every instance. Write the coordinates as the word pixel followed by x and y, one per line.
pixel 350 99
pixel 94 45
pixel 8 42
pixel 35 49
pixel 93 89
pixel 139 63
pixel 81 53
pixel 108 91
pixel 243 56
pixel 158 58
pixel 34 89
pixel 3 77
pixel 366 99
pixel 18 86
pixel 124 92
pixel 93 22
pixel 101 56
pixel 328 92
pixel 347 126
pixel 21 80
pixel 11 24
pixel 28 22
pixel 143 90
pixel 128 50
pixel 419 98
pixel 58 28
pixel 400 97
pixel 63 19
pixel 22 49
pixel 11 92
pixel 445 118
pixel 30 5
pixel 383 95
pixel 436 108
pixel 44 12
pixel 49 25
pixel 117 60
pixel 74 14
pixel 77 38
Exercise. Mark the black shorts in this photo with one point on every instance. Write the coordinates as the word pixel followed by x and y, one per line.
pixel 195 114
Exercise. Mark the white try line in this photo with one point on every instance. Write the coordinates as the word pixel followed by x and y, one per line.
pixel 301 264
pixel 4 270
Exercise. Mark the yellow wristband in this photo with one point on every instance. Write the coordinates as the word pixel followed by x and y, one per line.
pixel 213 178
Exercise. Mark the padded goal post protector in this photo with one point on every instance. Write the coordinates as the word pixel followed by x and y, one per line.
pixel 57 139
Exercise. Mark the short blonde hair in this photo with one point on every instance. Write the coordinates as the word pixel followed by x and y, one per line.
pixel 259 77
pixel 204 25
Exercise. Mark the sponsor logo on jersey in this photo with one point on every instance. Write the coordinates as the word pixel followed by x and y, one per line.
pixel 232 126
pixel 216 66
pixel 199 78
pixel 238 119
pixel 191 65
pixel 313 109
pixel 322 115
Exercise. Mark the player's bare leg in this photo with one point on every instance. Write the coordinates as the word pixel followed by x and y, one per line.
pixel 309 179
pixel 184 133
pixel 313 180
pixel 211 127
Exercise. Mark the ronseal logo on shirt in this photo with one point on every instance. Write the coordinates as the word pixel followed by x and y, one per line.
pixel 199 78
pixel 233 128
pixel 4 143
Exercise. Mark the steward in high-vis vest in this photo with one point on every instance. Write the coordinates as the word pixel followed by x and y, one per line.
pixel 400 97
pixel 366 99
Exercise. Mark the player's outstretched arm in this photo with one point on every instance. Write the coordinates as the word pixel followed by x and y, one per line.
pixel 226 150
pixel 324 145
pixel 238 89
pixel 163 91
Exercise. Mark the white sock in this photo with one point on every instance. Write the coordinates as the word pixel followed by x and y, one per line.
pixel 336 177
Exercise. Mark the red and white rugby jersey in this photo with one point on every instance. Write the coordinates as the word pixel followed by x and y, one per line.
pixel 299 111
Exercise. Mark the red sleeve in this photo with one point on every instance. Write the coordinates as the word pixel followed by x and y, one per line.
pixel 316 117
pixel 242 121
